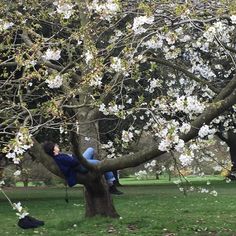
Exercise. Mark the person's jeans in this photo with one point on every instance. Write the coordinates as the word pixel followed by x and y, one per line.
pixel 89 155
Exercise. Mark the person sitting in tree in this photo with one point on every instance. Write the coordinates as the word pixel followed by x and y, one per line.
pixel 70 166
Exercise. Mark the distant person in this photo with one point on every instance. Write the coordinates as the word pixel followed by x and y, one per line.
pixel 70 165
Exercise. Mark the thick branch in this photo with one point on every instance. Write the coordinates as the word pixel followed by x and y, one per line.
pixel 227 90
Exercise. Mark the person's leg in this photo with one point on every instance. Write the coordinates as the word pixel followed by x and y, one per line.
pixel 89 153
pixel 110 181
pixel 109 178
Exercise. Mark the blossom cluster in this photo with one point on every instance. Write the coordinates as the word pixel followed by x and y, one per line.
pixel 205 130
pixel 189 105
pixel 21 212
pixel 142 174
pixel 106 10
pixel 96 81
pixel 19 145
pixel 154 42
pixel 2 183
pixel 109 147
pixel 140 21
pixel 151 166
pixel 5 25
pixel 112 109
pixel 52 54
pixel 168 132
pixel 127 136
pixel 65 8
pixel 220 30
pixel 88 57
pixel 186 159
pixel 117 65
pixel 54 81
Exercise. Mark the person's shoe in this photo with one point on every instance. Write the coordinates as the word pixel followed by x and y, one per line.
pixel 117 183
pixel 114 190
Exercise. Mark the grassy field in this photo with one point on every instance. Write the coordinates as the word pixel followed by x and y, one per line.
pixel 148 207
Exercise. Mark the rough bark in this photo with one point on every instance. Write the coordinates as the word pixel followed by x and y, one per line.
pixel 98 199
pixel 231 142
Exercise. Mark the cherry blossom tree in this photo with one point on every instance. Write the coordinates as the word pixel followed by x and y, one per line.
pixel 76 68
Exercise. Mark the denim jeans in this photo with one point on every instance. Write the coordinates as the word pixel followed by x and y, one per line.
pixel 89 155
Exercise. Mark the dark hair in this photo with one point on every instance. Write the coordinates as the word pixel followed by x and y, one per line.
pixel 49 147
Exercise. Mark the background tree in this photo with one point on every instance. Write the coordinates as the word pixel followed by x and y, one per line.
pixel 167 68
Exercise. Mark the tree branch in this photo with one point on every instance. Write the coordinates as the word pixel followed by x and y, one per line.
pixel 186 72
pixel 211 112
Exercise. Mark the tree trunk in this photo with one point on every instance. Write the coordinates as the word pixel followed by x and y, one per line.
pixel 231 142
pixel 98 200
pixel 26 183
pixel 232 149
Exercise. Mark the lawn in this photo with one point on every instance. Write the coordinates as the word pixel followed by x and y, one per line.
pixel 148 207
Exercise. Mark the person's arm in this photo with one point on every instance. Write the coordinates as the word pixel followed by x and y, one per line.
pixel 68 160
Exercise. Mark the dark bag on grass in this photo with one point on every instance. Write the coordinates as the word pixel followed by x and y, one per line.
pixel 29 222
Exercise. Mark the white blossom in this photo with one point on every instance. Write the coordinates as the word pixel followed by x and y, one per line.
pixel 106 10
pixel 171 52
pixel 16 160
pixel 205 131
pixel 11 155
pixel 141 174
pixel 4 25
pixel 65 8
pixel 185 128
pixel 204 190
pixel 155 83
pixel 117 65
pixel 210 34
pixel 17 206
pixel 52 54
pixel 189 105
pixel 170 37
pixel 217 168
pixel 214 193
pixel 140 21
pixel 88 57
pixel 19 150
pixel 2 182
pixel 22 215
pixel 127 136
pixel 185 38
pixel 153 43
pixel 233 19
pixel 17 173
pixel 103 109
pixel 54 82
pixel 96 81
pixel 165 145
pixel 180 145
pixel 186 159
pixel 21 211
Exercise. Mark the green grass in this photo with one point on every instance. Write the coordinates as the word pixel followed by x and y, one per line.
pixel 148 207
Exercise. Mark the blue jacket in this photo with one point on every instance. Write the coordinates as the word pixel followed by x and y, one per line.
pixel 67 164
